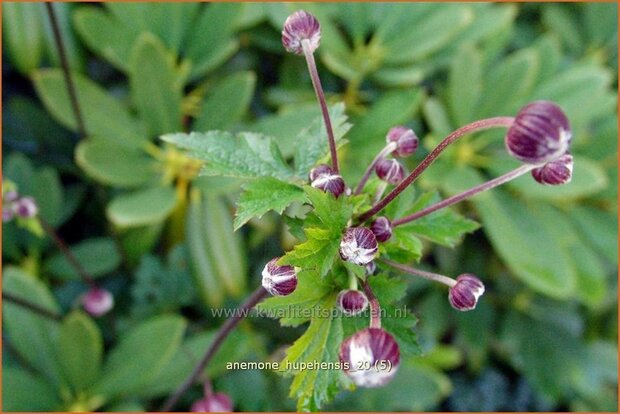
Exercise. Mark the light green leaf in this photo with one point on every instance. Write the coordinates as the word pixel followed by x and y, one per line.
pixel 142 207
pixel 103 115
pixel 98 256
pixel 594 225
pixel 140 356
pixel 23 34
pixel 48 191
pixel 265 194
pixel 245 155
pixel 155 86
pixel 312 143
pixel 80 349
pixel 23 391
pixel 465 84
pixel 112 164
pixel 227 102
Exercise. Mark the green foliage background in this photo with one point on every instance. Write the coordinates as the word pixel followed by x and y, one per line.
pixel 544 336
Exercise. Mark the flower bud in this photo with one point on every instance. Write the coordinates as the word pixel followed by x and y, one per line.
pixel 371 268
pixel 352 302
pixel 406 139
pixel 321 169
pixel 299 26
pixel 214 403
pixel 539 134
pixel 382 229
pixel 97 301
pixel 279 280
pixel 372 357
pixel 464 294
pixel 26 207
pixel 390 170
pixel 8 212
pixel 10 196
pixel 556 172
pixel 358 245
pixel 330 183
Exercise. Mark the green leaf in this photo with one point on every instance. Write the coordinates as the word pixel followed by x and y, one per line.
pixel 32 335
pixel 404 246
pixel 142 207
pixel 140 356
pixel 312 143
pixel 155 86
pixel 48 191
pixel 98 257
pixel 112 164
pixel 465 84
pixel 227 102
pixel 245 155
pixel 444 227
pixel 24 391
pixel 80 349
pixel 265 194
pixel 320 343
pixel 103 115
pixel 24 35
pixel 594 225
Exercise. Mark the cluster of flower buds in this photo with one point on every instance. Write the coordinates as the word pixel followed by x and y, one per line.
pixel 324 178
pixel 97 301
pixel 14 205
pixel 279 280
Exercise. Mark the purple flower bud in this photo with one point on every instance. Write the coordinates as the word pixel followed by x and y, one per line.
pixel 406 139
pixel 372 357
pixel 10 196
pixel 321 169
pixel 8 212
pixel 464 294
pixel 382 229
pixel 352 302
pixel 26 207
pixel 540 133
pixel 214 403
pixel 97 301
pixel 556 172
pixel 299 26
pixel 330 183
pixel 358 245
pixel 390 170
pixel 279 280
pixel 371 268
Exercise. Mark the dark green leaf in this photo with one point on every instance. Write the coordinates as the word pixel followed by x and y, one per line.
pixel 98 256
pixel 23 391
pixel 148 206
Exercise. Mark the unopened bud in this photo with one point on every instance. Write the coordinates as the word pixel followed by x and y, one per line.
pixel 382 229
pixel 390 170
pixel 352 302
pixel 214 403
pixel 358 245
pixel 26 207
pixel 319 170
pixel 329 183
pixel 406 140
pixel 300 26
pixel 279 280
pixel 556 172
pixel 98 301
pixel 463 296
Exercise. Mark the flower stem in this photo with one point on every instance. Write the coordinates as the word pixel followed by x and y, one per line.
pixel 448 281
pixel 517 172
pixel 318 89
pixel 221 335
pixel 375 309
pixel 502 121
pixel 66 70
pixel 31 306
pixel 385 151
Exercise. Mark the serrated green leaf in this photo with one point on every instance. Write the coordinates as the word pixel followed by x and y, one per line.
pixel 403 246
pixel 265 194
pixel 245 155
pixel 98 256
pixel 444 227
pixel 312 143
pixel 148 206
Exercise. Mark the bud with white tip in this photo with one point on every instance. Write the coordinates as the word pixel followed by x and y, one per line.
pixel 352 302
pixel 279 280
pixel 358 245
pixel 327 181
pixel 97 301
pixel 372 357
pixel 298 27
pixel 26 207
pixel 463 296
pixel 556 172
pixel 390 170
pixel 407 141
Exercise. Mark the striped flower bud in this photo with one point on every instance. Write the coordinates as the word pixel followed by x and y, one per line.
pixel 319 170
pixel 382 229
pixel 556 172
pixel 463 296
pixel 97 301
pixel 539 134
pixel 358 245
pixel 406 140
pixel 371 356
pixel 214 403
pixel 279 280
pixel 390 170
pixel 330 183
pixel 352 302
pixel 300 26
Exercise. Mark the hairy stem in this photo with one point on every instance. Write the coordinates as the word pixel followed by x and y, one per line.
pixel 517 172
pixel 448 281
pixel 502 121
pixel 64 61
pixel 385 151
pixel 26 304
pixel 318 89
pixel 64 249
pixel 221 335
pixel 375 309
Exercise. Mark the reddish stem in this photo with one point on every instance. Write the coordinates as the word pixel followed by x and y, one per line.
pixel 375 309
